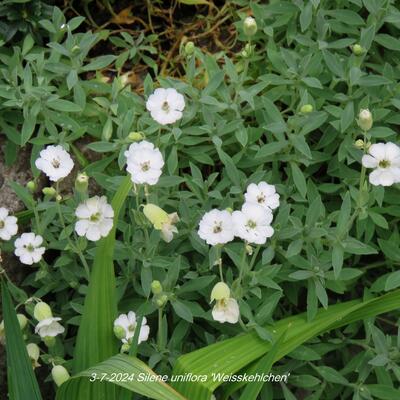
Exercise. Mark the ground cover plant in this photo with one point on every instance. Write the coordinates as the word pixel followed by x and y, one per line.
pixel 194 193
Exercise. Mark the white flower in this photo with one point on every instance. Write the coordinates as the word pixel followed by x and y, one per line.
pixel 55 162
pixel 253 223
pixel 28 248
pixel 8 224
pixel 49 327
pixel 95 218
pixel 226 310
pixel 263 194
pixel 216 227
pixel 385 159
pixel 144 163
pixel 162 221
pixel 127 324
pixel 165 106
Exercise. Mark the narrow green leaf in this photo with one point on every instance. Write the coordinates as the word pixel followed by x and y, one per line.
pixel 22 383
pixel 124 371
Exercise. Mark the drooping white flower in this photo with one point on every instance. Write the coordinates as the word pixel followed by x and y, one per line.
pixel 55 162
pixel 28 248
pixel 165 106
pixel 162 221
pixel 226 309
pixel 263 194
pixel 253 223
pixel 95 218
pixel 216 227
pixel 385 159
pixel 8 224
pixel 125 326
pixel 144 163
pixel 49 327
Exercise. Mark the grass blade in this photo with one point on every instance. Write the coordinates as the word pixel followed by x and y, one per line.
pixel 22 383
pixel 263 366
pixel 96 341
pixel 130 373
pixel 232 355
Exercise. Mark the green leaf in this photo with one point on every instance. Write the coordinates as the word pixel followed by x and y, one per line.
pixel 182 310
pixel 22 384
pixel 299 179
pixel 263 366
pixel 63 105
pixel 99 63
pixel 136 377
pixel 95 340
pixel 392 281
pixel 232 355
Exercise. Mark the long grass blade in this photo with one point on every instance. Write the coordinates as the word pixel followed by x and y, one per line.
pixel 96 341
pixel 232 355
pixel 22 383
pixel 125 371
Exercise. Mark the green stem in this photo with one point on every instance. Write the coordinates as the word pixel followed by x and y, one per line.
pixel 76 249
pixel 160 332
pixel 242 265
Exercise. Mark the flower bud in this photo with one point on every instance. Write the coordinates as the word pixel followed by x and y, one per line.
pixel 125 348
pixel 75 49
pixel 81 182
pixel 365 120
pixel 59 375
pixel 156 287
pixel 359 143
pixel 119 332
pixel 249 26
pixel 33 353
pixel 22 321
pixel 307 108
pixel 358 50
pixel 249 250
pixel 49 341
pixel 229 209
pixel 189 48
pixel 49 191
pixel 31 186
pixel 161 300
pixel 220 291
pixel 42 311
pixel 136 136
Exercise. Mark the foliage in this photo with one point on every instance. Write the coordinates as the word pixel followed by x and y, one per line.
pixel 281 107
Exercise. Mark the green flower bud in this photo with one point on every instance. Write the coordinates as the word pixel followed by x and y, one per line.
pixel 249 26
pixel 189 48
pixel 307 108
pixel 31 186
pixel 229 209
pixel 161 300
pixel 220 291
pixel 136 136
pixel 359 143
pixel 33 353
pixel 119 332
pixel 156 287
pixel 59 375
pixel 49 191
pixel 75 49
pixel 22 321
pixel 125 348
pixel 49 341
pixel 365 120
pixel 81 182
pixel 42 311
pixel 358 50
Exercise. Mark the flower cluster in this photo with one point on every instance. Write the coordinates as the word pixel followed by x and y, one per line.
pixel 251 224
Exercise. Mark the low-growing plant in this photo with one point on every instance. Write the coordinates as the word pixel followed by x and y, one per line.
pixel 238 216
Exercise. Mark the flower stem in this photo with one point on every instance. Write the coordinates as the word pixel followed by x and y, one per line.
pixel 160 332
